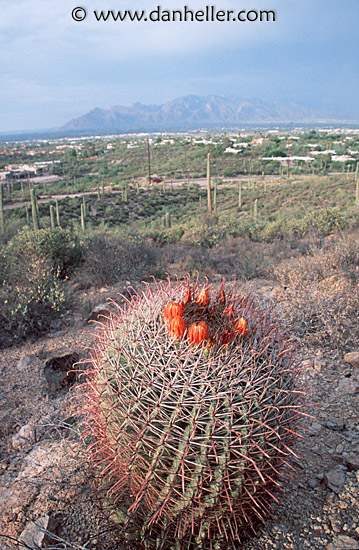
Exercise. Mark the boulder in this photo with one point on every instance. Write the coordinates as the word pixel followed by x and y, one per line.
pixel 348 386
pixel 34 533
pixel 24 436
pixel 342 542
pixel 59 372
pixel 335 479
pixel 352 358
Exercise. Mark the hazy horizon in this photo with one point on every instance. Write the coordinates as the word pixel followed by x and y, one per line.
pixel 54 69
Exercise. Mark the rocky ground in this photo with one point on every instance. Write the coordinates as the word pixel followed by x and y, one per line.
pixel 48 498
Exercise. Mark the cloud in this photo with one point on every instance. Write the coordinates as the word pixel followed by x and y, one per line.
pixel 40 30
pixel 38 34
pixel 47 58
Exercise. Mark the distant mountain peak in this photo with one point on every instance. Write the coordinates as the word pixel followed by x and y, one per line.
pixel 192 112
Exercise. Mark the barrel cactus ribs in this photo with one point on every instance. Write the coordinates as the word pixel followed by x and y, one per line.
pixel 190 407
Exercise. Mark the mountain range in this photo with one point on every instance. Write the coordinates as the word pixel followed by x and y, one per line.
pixel 194 112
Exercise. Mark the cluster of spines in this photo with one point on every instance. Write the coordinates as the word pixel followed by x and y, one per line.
pixel 190 442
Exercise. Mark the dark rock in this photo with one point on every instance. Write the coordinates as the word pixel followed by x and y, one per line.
pixel 59 372
pixel 352 461
pixel 69 423
pixel 315 429
pixel 53 528
pixel 336 424
pixel 335 479
pixel 313 483
pixel 55 324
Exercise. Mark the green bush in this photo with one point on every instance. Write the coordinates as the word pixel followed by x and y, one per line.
pixel 58 246
pixel 31 305
pixel 328 220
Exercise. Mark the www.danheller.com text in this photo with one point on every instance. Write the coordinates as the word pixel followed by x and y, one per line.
pixel 208 14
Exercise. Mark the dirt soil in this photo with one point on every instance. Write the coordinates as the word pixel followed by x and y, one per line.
pixel 44 475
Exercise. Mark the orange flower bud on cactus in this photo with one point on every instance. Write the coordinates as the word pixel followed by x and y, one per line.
pixel 197 333
pixel 172 309
pixel 203 298
pixel 226 337
pixel 188 296
pixel 222 298
pixel 241 327
pixel 177 327
pixel 229 311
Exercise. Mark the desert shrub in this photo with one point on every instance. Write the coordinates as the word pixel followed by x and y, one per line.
pixel 273 230
pixel 60 247
pixel 3 268
pixel 345 257
pixel 31 268
pixel 320 295
pixel 33 303
pixel 234 258
pixel 327 220
pixel 13 225
pixel 108 259
pixel 166 235
pixel 209 233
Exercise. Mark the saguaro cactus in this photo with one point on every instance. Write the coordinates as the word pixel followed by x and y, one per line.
pixel 84 205
pixel 52 217
pixel 83 223
pixel 167 219
pixel 209 196
pixel 255 210
pixel 34 210
pixel 57 213
pixel 215 195
pixel 2 218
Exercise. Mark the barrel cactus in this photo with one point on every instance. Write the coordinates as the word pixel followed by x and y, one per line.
pixel 190 406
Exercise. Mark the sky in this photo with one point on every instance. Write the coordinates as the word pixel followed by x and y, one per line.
pixel 53 68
